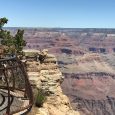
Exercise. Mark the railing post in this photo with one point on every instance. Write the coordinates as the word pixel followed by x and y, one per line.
pixel 6 79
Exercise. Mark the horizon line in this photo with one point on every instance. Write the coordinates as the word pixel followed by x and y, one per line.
pixel 60 27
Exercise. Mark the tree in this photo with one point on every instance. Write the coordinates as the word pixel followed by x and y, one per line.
pixel 3 21
pixel 19 42
pixel 15 43
pixel 7 40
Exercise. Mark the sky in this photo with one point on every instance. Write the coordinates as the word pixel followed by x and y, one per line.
pixel 59 13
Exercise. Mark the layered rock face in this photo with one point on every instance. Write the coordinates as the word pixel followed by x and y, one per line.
pixel 90 88
pixel 71 40
pixel 91 93
pixel 48 77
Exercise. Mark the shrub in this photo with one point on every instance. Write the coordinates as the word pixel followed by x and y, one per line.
pixel 40 98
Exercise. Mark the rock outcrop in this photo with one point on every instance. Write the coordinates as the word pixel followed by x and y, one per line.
pixel 48 77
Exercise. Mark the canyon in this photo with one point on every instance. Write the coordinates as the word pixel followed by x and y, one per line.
pixel 86 60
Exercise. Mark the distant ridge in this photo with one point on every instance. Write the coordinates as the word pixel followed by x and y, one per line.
pixel 96 30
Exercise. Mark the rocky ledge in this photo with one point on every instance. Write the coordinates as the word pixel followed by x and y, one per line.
pixel 48 77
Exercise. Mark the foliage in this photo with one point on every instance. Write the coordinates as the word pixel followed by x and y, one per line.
pixel 40 98
pixel 7 40
pixel 18 41
pixel 3 21
pixel 15 43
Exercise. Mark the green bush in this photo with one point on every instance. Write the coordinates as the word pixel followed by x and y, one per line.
pixel 40 98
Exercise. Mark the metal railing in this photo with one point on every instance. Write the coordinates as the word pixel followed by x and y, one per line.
pixel 15 89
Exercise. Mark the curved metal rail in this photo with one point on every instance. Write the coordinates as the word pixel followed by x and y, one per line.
pixel 15 90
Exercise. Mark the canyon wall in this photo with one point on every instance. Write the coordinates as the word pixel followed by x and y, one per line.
pixel 90 87
pixel 91 93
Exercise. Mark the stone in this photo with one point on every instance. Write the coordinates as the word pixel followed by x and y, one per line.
pixel 49 80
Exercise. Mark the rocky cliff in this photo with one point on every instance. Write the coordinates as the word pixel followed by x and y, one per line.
pixel 48 77
pixel 90 87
